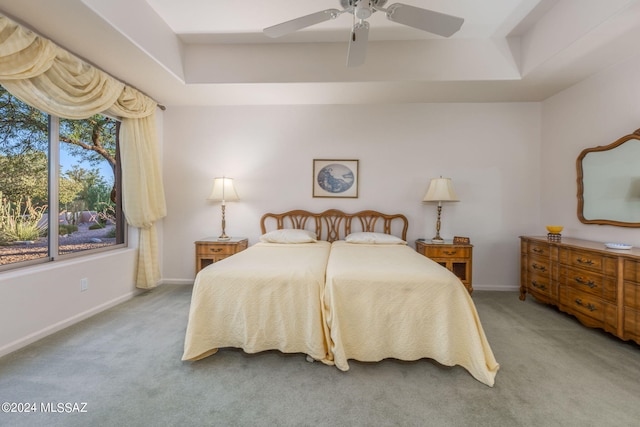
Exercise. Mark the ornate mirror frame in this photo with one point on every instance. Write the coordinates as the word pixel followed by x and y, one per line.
pixel 633 183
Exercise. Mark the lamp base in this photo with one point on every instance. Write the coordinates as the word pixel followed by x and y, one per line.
pixel 223 236
pixel 438 239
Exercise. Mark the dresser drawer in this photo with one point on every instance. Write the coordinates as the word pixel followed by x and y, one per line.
pixel 539 284
pixel 592 283
pixel 539 249
pixel 593 307
pixel 538 265
pixel 632 270
pixel 589 260
pixel 631 324
pixel 632 295
pixel 446 252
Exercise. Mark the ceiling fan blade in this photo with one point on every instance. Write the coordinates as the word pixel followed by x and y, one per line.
pixel 288 27
pixel 424 19
pixel 358 44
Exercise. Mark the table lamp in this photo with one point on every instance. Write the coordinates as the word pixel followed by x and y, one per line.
pixel 440 190
pixel 223 191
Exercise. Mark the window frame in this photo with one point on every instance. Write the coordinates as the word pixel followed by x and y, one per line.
pixel 53 176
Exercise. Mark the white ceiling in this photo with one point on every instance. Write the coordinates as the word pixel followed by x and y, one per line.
pixel 225 22
pixel 205 52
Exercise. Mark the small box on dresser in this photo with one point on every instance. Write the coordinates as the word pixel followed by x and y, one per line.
pixel 598 286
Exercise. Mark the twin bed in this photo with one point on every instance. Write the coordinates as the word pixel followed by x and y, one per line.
pixel 337 287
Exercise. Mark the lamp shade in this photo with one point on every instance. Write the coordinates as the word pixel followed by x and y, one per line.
pixel 223 190
pixel 440 190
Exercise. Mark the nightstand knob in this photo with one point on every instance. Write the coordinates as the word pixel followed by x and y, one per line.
pixel 215 249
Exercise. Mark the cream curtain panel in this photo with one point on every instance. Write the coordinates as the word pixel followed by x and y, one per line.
pixel 51 79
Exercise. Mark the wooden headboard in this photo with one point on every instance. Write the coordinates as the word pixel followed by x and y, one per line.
pixel 332 224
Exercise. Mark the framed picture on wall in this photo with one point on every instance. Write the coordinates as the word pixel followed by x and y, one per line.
pixel 335 178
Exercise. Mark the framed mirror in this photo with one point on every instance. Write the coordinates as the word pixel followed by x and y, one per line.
pixel 609 183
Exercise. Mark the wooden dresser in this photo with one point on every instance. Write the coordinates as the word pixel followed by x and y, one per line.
pixel 599 286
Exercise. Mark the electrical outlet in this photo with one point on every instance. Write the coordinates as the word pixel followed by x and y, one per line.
pixel 84 284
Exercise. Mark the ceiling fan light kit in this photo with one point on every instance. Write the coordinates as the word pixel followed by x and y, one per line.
pixel 422 19
pixel 362 8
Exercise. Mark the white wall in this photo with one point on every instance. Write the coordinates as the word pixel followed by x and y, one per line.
pixel 37 301
pixel 491 151
pixel 594 112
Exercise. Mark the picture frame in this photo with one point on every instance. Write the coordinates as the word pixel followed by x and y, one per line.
pixel 335 178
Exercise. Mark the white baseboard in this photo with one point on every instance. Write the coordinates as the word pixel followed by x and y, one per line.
pixel 496 288
pixel 31 338
pixel 176 282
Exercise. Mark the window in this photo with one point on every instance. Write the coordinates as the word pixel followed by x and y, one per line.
pixel 59 185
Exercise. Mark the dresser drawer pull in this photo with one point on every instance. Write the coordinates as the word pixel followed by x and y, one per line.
pixel 535 285
pixel 450 252
pixel 590 283
pixel 589 306
pixel 585 261
pixel 537 250
pixel 538 267
pixel 215 249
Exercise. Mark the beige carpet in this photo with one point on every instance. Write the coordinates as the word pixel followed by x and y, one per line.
pixel 125 365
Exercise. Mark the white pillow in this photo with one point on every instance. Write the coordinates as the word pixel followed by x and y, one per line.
pixel 376 238
pixel 289 235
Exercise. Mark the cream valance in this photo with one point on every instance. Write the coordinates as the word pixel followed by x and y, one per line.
pixel 53 80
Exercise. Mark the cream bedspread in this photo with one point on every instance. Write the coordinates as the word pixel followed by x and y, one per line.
pixel 388 301
pixel 267 297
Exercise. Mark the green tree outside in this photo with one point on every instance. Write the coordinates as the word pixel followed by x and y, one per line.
pixel 24 143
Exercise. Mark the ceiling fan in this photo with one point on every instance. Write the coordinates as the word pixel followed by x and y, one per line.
pixel 422 19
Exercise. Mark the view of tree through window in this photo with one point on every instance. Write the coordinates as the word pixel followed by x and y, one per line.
pixel 86 184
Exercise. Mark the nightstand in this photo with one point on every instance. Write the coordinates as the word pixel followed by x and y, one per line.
pixel 210 250
pixel 457 258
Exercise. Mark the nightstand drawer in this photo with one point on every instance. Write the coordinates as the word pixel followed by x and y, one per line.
pixel 446 252
pixel 216 249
